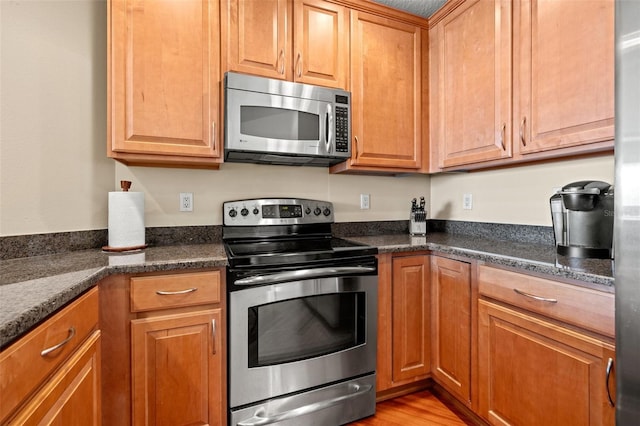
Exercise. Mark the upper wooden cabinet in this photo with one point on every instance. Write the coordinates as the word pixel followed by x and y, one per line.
pixel 307 41
pixel 163 82
pixel 386 88
pixel 470 55
pixel 553 98
pixel 564 83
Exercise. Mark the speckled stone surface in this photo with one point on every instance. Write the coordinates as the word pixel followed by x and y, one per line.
pixel 534 258
pixel 33 288
pixel 13 247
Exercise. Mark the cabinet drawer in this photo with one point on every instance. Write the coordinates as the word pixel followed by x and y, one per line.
pixel 174 291
pixel 583 307
pixel 23 367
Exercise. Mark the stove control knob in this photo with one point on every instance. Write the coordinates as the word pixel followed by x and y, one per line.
pixel 244 211
pixel 317 211
pixel 233 212
pixel 307 210
pixel 326 211
pixel 255 210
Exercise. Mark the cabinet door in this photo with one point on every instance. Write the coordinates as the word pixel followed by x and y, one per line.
pixel 473 86
pixel 451 293
pixel 535 373
pixel 72 395
pixel 177 369
pixel 410 318
pixel 258 37
pixel 565 74
pixel 163 78
pixel 386 87
pixel 321 43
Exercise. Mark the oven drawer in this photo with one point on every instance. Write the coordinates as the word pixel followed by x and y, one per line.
pixel 590 309
pixel 174 291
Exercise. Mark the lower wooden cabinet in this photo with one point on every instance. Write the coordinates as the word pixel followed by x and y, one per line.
pixel 72 396
pixel 451 322
pixel 403 321
pixel 534 372
pixel 177 369
pixel 52 375
pixel 166 362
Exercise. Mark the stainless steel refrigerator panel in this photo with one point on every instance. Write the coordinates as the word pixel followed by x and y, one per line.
pixel 627 211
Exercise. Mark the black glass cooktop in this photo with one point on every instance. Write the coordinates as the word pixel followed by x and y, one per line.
pixel 295 251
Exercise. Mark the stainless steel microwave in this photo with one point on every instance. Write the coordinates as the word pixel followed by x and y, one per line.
pixel 280 122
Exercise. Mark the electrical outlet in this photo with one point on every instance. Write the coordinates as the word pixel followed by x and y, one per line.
pixel 364 202
pixel 467 201
pixel 186 201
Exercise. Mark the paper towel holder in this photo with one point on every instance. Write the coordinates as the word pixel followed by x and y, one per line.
pixel 124 185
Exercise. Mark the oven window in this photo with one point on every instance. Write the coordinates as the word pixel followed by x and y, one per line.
pixel 306 327
pixel 279 123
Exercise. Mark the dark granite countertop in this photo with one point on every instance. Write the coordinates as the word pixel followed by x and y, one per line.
pixel 33 288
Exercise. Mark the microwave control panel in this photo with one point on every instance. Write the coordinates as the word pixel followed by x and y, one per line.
pixel 342 129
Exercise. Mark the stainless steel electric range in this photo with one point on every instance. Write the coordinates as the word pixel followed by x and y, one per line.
pixel 302 309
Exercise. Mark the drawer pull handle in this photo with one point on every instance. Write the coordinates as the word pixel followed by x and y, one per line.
pixel 533 296
pixel 609 368
pixel 171 293
pixel 72 332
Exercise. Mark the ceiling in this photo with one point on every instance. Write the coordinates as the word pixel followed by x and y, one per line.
pixel 424 8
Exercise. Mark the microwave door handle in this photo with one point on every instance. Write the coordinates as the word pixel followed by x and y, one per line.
pixel 328 129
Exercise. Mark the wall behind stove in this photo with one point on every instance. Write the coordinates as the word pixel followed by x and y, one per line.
pixel 389 196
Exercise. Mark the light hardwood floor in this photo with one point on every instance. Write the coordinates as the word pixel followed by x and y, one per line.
pixel 417 409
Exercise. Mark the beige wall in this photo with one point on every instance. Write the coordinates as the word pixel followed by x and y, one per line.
pixel 54 174
pixel 53 170
pixel 515 195
pixel 389 196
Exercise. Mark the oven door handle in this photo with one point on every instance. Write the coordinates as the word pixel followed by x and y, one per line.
pixel 304 274
pixel 259 419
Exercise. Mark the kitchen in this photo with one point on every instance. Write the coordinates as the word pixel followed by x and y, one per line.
pixel 68 65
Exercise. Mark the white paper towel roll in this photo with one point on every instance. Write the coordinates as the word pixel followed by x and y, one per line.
pixel 126 220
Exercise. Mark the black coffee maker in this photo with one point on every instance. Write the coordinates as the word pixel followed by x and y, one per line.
pixel 582 215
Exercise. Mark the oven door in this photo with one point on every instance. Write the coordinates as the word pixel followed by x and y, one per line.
pixel 296 335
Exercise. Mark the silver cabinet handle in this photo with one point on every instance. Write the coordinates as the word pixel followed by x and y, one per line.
pixel 171 293
pixel 609 368
pixel 213 335
pixel 281 60
pixel 533 296
pixel 522 124
pixel 502 134
pixel 303 274
pixel 298 67
pixel 213 133
pixel 259 419
pixel 72 332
